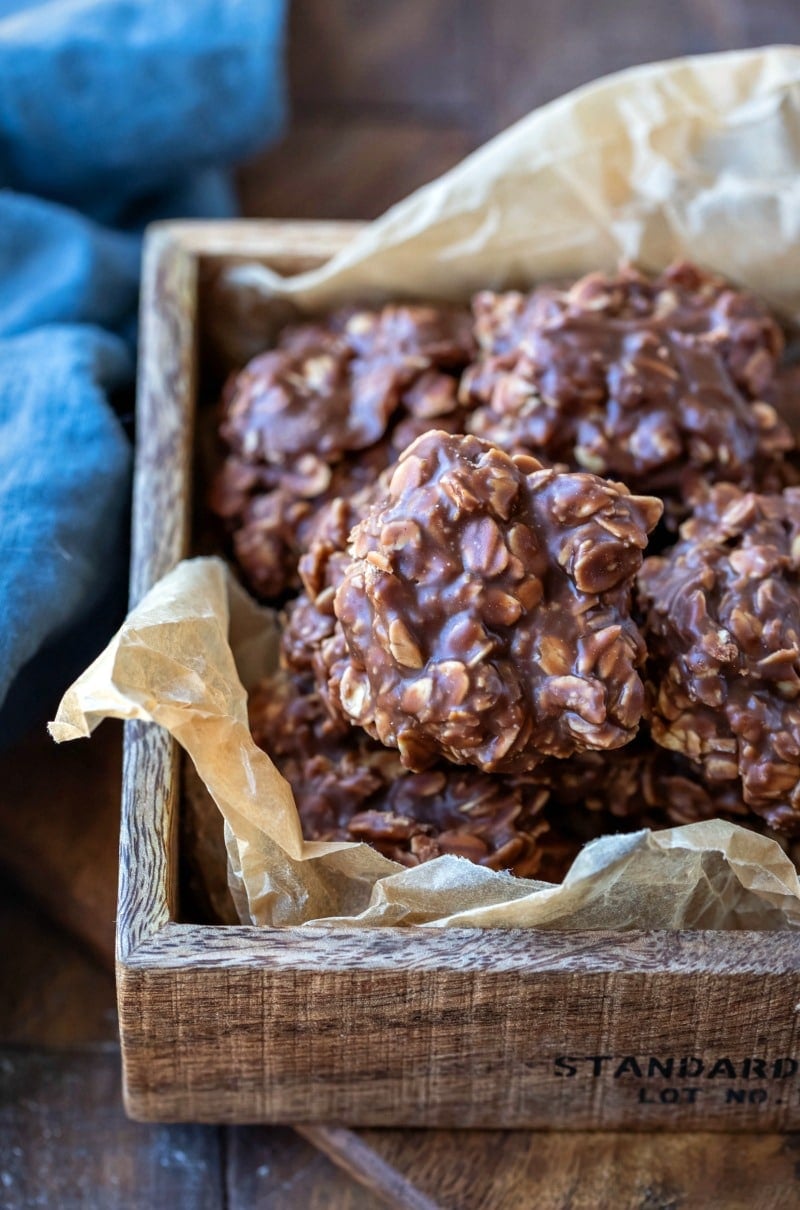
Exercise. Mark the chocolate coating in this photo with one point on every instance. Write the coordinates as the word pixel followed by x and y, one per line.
pixel 723 635
pixel 348 787
pixel 279 524
pixel 658 381
pixel 321 416
pixel 281 521
pixel 486 610
pixel 329 389
pixel 484 605
pixel 318 402
pixel 641 785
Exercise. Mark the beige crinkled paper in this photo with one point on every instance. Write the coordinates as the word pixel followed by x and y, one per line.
pixel 183 658
pixel 698 158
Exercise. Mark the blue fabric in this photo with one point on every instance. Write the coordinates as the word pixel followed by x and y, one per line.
pixel 112 113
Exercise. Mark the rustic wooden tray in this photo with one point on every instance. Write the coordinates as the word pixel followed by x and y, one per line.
pixel 466 1027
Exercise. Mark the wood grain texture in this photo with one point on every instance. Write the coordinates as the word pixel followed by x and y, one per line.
pixel 460 1049
pixel 52 997
pixel 387 1027
pixel 56 838
pixel 468 951
pixel 513 1170
pixel 277 1169
pixel 393 160
pixel 364 1161
pixel 59 1061
pixel 55 996
pixel 162 476
pixel 353 57
pixel 67 1143
pixel 161 510
pixel 150 795
pixel 54 992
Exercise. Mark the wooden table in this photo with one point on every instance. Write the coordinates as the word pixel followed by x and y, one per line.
pixel 386 95
pixel 65 1140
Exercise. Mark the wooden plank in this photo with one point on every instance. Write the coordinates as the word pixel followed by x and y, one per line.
pixel 446 1168
pixel 537 53
pixel 53 996
pixel 365 1163
pixel 161 503
pixel 265 240
pixel 162 500
pixel 359 166
pixel 55 993
pixel 511 1170
pixel 366 57
pixel 67 1143
pixel 182 947
pixel 59 829
pixel 403 1168
pixel 276 1169
pixel 447 1048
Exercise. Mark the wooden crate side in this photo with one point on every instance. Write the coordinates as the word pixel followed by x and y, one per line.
pixel 287 247
pixel 193 948
pixel 166 398
pixel 164 411
pixel 161 503
pixel 459 1048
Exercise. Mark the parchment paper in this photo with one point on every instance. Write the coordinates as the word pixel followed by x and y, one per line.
pixel 696 158
pixel 183 659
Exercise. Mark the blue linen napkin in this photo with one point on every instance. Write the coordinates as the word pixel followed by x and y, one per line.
pixel 112 113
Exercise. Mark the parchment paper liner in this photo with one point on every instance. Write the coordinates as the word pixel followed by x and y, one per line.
pixel 697 158
pixel 178 660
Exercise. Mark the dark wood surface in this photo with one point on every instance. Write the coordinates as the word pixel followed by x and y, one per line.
pixel 386 95
pixel 65 1138
pixel 513 1170
pixel 65 1142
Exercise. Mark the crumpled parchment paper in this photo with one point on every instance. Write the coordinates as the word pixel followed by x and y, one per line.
pixel 697 158
pixel 183 658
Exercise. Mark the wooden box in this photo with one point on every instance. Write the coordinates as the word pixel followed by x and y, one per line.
pixel 467 1027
